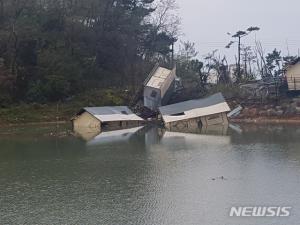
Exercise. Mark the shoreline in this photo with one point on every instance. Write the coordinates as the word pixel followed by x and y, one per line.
pixel 265 120
pixel 34 123
pixel 257 120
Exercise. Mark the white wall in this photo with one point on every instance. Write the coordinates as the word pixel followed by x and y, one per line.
pixel 149 101
pixel 165 87
pixel 293 73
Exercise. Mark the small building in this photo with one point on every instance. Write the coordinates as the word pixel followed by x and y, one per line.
pixel 98 118
pixel 159 87
pixel 196 113
pixel 293 76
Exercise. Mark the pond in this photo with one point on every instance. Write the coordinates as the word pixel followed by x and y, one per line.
pixel 148 176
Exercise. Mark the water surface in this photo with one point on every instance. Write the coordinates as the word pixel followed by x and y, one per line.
pixel 148 176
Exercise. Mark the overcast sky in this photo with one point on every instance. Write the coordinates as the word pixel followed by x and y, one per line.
pixel 206 23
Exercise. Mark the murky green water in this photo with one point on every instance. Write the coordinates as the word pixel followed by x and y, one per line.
pixel 148 176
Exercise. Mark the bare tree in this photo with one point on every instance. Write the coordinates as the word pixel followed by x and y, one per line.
pixel 260 58
pixel 166 20
pixel 165 17
pixel 219 65
pixel 249 59
pixel 187 50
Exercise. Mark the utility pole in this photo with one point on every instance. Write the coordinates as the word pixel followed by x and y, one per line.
pixel 172 52
pixel 287 47
pixel 172 61
pixel 239 60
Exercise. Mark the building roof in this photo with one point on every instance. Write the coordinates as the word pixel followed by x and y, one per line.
pixel 112 113
pixel 158 78
pixel 194 108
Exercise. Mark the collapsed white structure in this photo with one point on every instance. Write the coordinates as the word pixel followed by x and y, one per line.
pixel 98 118
pixel 196 113
pixel 158 87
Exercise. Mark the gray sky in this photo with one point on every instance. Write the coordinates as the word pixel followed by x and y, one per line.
pixel 206 23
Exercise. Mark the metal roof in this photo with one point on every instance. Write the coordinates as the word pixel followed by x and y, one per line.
pixel 159 77
pixel 113 113
pixel 193 104
pixel 194 108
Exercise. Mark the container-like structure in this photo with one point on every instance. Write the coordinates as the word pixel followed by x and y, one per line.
pixel 196 113
pixel 98 118
pixel 293 76
pixel 159 87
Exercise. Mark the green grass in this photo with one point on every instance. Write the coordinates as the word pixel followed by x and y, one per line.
pixel 61 111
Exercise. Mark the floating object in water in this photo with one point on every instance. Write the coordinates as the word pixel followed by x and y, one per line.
pixel 235 112
pixel 219 178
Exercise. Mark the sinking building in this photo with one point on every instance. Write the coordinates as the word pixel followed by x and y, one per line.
pixel 159 87
pixel 196 113
pixel 95 119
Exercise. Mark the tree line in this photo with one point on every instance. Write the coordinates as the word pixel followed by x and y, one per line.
pixel 51 50
pixel 251 63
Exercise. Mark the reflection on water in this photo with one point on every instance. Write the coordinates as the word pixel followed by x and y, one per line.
pixel 181 141
pixel 117 136
pixel 151 135
pixel 148 175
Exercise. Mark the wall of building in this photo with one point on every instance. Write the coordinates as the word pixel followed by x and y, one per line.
pixel 293 77
pixel 195 123
pixel 215 119
pixel 219 129
pixel 165 100
pixel 152 102
pixel 86 120
pixel 113 125
pixel 184 125
pixel 168 82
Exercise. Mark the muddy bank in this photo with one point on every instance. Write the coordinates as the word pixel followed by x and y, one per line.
pixel 266 120
pixel 285 110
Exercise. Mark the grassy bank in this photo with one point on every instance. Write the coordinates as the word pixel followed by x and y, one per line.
pixel 270 111
pixel 60 111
